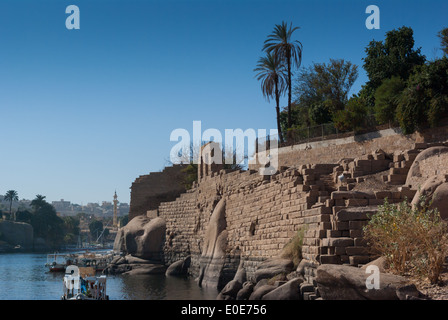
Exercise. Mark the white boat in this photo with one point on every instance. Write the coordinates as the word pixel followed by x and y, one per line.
pixel 56 262
pixel 82 284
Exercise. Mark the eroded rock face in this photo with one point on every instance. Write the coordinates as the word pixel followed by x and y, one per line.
pixel 215 242
pixel 142 237
pixel 288 291
pixel 440 200
pixel 430 162
pixel 339 282
pixel 272 267
pixel 179 268
pixel 436 189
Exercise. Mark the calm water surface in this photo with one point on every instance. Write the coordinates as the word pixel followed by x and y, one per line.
pixel 23 276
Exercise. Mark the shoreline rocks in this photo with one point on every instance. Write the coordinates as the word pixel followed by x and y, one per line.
pixel 341 282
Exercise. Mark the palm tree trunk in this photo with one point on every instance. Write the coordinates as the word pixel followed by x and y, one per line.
pixel 10 210
pixel 277 108
pixel 288 57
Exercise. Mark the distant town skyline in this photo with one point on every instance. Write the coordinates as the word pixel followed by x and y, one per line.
pixel 86 111
pixel 66 207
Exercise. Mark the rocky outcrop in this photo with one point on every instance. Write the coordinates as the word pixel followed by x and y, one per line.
pixel 340 282
pixel 435 192
pixel 274 280
pixel 287 291
pixel 272 267
pixel 16 234
pixel 430 162
pixel 215 242
pixel 143 238
pixel 133 266
pixel 142 241
pixel 179 268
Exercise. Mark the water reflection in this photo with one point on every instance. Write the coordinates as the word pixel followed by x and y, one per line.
pixel 159 287
pixel 25 277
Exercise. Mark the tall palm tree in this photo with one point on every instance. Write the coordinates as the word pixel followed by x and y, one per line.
pixel 280 43
pixel 271 72
pixel 11 195
pixel 38 202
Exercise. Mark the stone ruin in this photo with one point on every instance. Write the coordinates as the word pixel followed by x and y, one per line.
pixel 233 221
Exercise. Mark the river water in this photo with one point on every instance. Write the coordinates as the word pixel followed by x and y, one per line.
pixel 23 276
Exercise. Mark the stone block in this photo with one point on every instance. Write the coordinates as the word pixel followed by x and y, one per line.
pixel 340 250
pixel 340 225
pixel 396 179
pixel 356 233
pixel 360 242
pixel 355 213
pixel 357 260
pixel 336 209
pixel 356 202
pixel 357 225
pixel 357 251
pixel 333 233
pixel 383 194
pixel 406 192
pixel 340 242
pixel 376 202
pixel 330 259
pixel 398 157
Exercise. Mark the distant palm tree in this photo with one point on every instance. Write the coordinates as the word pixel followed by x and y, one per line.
pixel 11 195
pixel 271 71
pixel 38 202
pixel 279 42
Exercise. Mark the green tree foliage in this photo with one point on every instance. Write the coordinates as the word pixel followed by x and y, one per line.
pixel 443 35
pixel 353 117
pixel 71 228
pixel 11 196
pixel 190 175
pixel 24 216
pixel 387 97
pixel 326 82
pixel 38 202
pixel 320 112
pixel 272 74
pixel 425 99
pixel 281 44
pixel 395 56
pixel 48 225
pixel 322 89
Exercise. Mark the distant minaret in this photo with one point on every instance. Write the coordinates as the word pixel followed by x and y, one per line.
pixel 115 221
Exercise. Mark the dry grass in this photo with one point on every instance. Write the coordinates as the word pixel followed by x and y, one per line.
pixel 293 249
pixel 413 241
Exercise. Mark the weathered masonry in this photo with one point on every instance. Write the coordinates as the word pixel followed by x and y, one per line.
pixel 262 213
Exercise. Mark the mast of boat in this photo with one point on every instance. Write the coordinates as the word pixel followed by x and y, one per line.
pixel 102 233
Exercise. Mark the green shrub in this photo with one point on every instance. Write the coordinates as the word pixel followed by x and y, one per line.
pixel 386 99
pixel 293 249
pixel 413 240
pixel 425 99
pixel 353 116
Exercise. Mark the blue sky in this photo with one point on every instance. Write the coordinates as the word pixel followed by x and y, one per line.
pixel 85 112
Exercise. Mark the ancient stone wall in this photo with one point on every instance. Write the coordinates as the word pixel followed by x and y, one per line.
pixel 148 191
pixel 263 213
pixel 331 151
